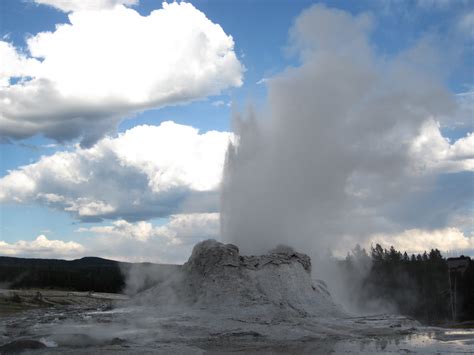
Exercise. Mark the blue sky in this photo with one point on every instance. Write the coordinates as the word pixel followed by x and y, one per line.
pixel 262 47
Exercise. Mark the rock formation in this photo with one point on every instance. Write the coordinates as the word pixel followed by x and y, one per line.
pixel 218 278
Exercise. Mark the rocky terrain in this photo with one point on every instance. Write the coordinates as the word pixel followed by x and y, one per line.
pixel 223 301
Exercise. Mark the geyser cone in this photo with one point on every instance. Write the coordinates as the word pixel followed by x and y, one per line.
pixel 217 277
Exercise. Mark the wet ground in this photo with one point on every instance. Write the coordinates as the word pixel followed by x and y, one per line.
pixel 59 322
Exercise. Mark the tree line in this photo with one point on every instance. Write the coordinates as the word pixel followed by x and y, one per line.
pixel 413 285
pixel 86 274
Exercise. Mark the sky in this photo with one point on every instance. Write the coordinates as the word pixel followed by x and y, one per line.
pixel 116 116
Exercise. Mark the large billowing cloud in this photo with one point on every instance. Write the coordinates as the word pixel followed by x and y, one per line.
pixel 350 145
pixel 86 76
pixel 147 171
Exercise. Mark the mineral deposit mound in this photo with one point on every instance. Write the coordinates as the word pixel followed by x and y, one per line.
pixel 218 278
pixel 221 299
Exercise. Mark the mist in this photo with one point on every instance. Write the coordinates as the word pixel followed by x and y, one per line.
pixel 329 157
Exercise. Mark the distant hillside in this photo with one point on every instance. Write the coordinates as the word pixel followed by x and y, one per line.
pixel 86 274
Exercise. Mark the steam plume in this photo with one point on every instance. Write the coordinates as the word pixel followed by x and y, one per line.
pixel 330 156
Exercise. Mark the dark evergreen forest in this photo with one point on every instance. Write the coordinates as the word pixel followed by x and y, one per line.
pixel 412 285
pixel 86 274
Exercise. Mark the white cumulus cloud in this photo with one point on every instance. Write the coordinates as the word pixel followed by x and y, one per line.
pixel 181 228
pixel 448 239
pixel 42 247
pixel 14 64
pixel 84 77
pixel 140 231
pixel 142 241
pixel 78 5
pixel 432 151
pixel 190 228
pixel 147 171
pixel 170 242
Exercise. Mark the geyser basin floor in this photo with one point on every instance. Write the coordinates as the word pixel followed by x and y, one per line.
pixel 136 330
pixel 222 301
